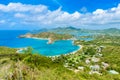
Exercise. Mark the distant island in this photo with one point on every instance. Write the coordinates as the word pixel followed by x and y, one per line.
pixel 70 32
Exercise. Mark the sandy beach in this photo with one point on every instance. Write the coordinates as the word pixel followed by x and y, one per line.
pixel 40 38
pixel 80 47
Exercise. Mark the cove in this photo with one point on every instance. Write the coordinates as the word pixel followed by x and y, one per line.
pixel 10 39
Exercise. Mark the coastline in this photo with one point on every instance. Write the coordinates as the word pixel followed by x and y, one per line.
pixel 19 50
pixel 49 38
pixel 49 42
pixel 80 47
pixel 39 38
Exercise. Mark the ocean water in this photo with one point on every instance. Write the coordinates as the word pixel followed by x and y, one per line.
pixel 9 38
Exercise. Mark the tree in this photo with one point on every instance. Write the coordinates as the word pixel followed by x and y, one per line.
pixel 29 50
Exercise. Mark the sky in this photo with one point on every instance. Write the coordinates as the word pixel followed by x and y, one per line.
pixel 36 14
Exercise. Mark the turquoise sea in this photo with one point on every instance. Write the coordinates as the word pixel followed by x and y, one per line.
pixel 9 38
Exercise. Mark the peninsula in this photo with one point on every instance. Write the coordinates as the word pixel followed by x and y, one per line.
pixel 50 36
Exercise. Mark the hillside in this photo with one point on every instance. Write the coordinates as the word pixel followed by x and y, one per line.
pixel 98 59
pixel 48 35
pixel 78 32
pixel 99 52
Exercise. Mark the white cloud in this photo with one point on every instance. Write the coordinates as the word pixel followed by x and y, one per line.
pixel 19 7
pixel 99 12
pixel 40 15
pixel 20 15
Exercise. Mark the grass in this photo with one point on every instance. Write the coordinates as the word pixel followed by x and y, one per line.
pixel 37 67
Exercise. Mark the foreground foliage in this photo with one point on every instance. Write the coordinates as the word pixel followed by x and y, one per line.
pixel 30 66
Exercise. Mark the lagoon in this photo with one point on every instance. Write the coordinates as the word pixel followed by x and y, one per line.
pixel 9 38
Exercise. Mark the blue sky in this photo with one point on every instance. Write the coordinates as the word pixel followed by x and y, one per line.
pixel 35 14
pixel 69 5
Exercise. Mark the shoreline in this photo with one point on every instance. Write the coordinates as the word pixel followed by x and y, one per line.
pixel 49 40
pixel 80 47
pixel 39 38
pixel 19 50
pixel 73 52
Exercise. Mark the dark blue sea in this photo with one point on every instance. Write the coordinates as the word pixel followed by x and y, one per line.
pixel 9 38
